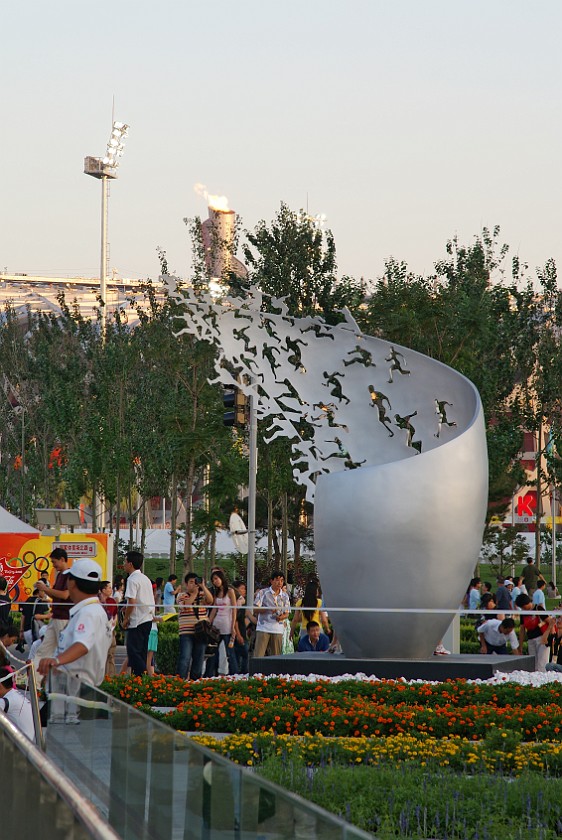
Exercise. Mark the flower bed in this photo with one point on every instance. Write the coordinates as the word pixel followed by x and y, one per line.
pixel 170 690
pixel 413 760
pixel 499 752
pixel 350 708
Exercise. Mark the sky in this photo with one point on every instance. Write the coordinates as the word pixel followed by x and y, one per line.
pixel 405 123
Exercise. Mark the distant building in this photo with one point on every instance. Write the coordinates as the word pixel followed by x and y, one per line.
pixel 39 294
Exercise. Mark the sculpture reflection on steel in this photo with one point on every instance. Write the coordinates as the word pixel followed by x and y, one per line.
pixel 399 506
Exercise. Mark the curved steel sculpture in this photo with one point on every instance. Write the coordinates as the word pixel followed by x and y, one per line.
pixel 390 446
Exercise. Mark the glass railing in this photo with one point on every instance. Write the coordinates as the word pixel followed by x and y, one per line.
pixel 39 801
pixel 149 781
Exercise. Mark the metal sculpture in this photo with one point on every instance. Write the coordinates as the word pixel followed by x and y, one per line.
pixel 399 511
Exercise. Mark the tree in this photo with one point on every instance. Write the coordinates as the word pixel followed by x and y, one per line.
pixel 463 318
pixel 293 258
pixel 176 418
pixel 540 387
pixel 503 548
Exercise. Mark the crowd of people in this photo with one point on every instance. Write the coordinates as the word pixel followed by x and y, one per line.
pixel 69 625
pixel 511 602
pixel 218 630
pixel 72 648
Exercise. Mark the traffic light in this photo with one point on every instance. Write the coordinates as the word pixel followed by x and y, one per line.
pixel 234 402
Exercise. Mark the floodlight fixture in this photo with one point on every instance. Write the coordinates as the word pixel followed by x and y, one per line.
pixel 105 168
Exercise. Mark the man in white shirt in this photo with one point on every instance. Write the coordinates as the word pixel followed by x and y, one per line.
pixel 494 635
pixel 15 705
pixel 84 642
pixel 82 647
pixel 272 607
pixel 139 613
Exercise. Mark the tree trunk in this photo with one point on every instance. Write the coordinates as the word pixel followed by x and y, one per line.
pixel 173 524
pixel 297 538
pixel 276 549
pixel 188 547
pixel 143 526
pixel 269 528
pixel 94 508
pixel 297 547
pixel 284 533
pixel 538 512
pixel 131 523
pixel 117 526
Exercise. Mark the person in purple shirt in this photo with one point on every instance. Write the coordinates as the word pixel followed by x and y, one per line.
pixel 314 641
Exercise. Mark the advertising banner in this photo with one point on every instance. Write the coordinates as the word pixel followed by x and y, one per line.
pixel 24 556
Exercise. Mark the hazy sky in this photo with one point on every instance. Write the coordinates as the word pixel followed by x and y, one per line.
pixel 404 121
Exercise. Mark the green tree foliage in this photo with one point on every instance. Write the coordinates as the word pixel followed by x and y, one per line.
pixel 472 322
pixel 120 415
pixel 540 387
pixel 293 257
pixel 504 548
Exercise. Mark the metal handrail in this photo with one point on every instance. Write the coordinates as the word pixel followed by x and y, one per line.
pixel 81 807
pixel 33 695
pixel 34 700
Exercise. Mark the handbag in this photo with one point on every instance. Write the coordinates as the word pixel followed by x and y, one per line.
pixel 205 632
pixel 121 610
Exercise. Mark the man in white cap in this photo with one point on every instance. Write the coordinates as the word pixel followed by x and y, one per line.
pixel 503 595
pixel 84 642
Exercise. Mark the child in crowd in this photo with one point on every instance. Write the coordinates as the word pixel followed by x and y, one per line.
pixel 15 705
pixel 152 646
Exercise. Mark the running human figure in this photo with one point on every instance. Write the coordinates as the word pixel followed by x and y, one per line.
pixel 377 401
pixel 405 423
pixel 331 379
pixel 343 453
pixel 328 411
pixel 360 356
pixel 441 411
pixel 295 357
pixel 396 364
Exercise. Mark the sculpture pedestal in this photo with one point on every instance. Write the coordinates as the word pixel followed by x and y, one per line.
pixel 438 668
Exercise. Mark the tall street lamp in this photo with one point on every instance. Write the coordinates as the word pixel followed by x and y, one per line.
pixel 106 168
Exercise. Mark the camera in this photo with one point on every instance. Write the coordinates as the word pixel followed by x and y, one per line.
pixel 198 581
pixel 20 647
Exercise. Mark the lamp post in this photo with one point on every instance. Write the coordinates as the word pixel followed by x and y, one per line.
pixel 553 511
pixel 106 169
pixel 252 480
pixel 22 412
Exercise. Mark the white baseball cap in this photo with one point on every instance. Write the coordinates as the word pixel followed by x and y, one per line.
pixel 85 570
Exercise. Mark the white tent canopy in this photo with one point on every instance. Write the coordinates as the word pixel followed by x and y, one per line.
pixel 10 524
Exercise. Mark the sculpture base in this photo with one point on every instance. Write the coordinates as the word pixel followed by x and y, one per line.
pixel 437 668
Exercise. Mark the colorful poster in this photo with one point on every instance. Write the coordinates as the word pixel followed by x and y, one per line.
pixel 24 556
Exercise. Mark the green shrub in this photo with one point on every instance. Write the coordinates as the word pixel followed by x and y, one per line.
pixel 168 627
pixel 168 650
pixel 416 802
pixel 470 647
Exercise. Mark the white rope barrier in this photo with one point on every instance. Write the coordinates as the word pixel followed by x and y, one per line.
pixel 78 701
pixel 407 610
